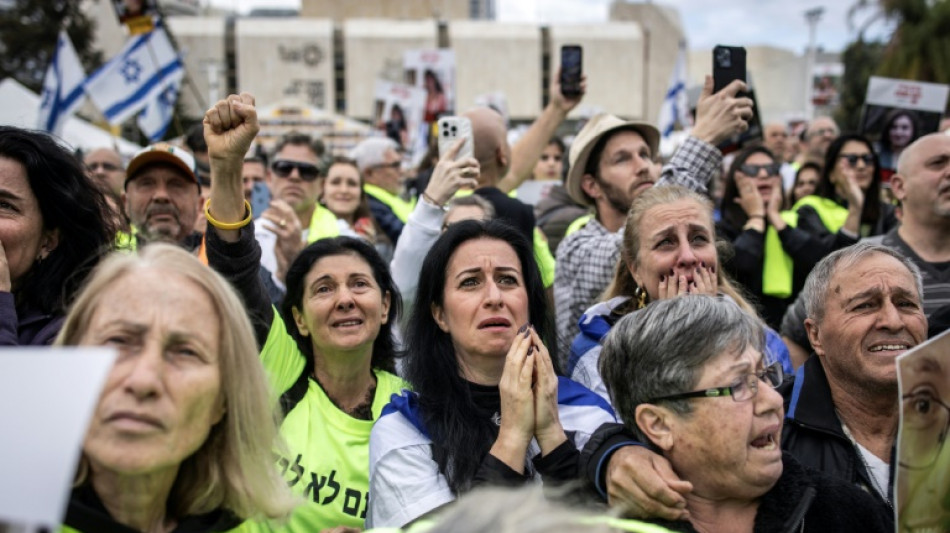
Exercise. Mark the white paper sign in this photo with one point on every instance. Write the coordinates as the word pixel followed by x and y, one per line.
pixel 47 396
pixel 907 94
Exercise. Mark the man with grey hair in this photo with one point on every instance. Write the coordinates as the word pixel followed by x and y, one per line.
pixel 922 184
pixel 864 310
pixel 379 162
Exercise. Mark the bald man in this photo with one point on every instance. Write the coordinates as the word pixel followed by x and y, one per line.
pixel 922 185
pixel 105 166
pixel 775 138
pixel 494 157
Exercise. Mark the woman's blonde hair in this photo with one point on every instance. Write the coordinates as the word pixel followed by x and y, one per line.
pixel 234 468
pixel 623 283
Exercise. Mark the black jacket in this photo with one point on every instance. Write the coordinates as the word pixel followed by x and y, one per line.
pixel 804 500
pixel 811 433
pixel 87 514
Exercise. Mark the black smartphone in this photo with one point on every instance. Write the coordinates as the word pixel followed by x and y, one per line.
pixel 728 65
pixel 571 70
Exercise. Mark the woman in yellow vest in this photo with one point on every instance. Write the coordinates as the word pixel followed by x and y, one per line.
pixel 848 203
pixel 772 257
pixel 328 352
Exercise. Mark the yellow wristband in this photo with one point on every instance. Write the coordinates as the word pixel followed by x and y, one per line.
pixel 228 225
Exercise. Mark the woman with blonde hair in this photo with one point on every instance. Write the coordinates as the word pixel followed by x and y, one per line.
pixel 669 249
pixel 182 435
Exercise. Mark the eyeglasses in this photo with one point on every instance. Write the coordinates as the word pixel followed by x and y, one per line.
pixel 771 169
pixel 283 168
pixel 823 132
pixel 853 159
pixel 925 423
pixel 393 165
pixel 745 388
pixel 108 167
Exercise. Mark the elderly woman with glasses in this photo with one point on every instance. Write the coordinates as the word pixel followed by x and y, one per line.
pixel 689 376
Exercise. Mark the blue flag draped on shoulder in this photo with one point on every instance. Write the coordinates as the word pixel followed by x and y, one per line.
pixel 137 76
pixel 62 87
pixel 675 106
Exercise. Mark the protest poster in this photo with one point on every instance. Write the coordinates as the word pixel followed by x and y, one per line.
pixel 398 113
pixel 897 112
pixel 922 479
pixel 137 15
pixel 826 86
pixel 434 72
pixel 49 395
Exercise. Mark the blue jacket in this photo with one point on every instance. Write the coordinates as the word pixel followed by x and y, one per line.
pixel 595 324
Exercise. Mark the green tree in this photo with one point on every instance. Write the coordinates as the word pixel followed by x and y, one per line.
pixel 919 48
pixel 28 34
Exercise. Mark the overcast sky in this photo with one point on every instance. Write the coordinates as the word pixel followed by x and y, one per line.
pixel 779 23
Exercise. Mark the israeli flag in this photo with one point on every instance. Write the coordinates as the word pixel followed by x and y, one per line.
pixel 135 77
pixel 675 106
pixel 62 87
pixel 154 120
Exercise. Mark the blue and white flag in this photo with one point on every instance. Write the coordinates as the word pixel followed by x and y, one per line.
pixel 154 119
pixel 135 77
pixel 675 106
pixel 62 87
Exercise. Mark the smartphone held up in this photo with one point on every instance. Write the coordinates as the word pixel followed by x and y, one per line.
pixel 571 70
pixel 450 130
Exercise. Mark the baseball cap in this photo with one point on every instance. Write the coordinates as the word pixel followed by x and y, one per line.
pixel 162 153
pixel 595 128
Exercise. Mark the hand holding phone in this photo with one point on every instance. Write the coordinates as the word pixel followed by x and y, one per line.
pixel 571 70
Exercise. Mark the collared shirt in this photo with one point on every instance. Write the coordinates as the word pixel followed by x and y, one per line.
pixel 587 258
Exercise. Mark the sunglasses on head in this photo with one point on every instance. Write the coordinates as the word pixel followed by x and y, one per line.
pixel 771 169
pixel 853 159
pixel 283 169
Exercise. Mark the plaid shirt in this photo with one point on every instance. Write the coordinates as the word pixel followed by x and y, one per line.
pixel 587 258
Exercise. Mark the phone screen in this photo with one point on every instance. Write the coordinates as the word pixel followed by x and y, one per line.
pixel 571 70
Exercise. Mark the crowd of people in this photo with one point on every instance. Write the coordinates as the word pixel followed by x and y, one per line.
pixel 699 344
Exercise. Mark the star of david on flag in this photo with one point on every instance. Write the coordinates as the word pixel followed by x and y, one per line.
pixel 135 78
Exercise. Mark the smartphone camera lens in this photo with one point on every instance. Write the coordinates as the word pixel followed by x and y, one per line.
pixel 724 57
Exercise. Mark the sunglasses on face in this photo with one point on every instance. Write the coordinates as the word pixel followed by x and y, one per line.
pixel 853 159
pixel 771 169
pixel 283 169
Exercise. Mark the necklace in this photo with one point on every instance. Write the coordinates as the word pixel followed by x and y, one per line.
pixel 875 484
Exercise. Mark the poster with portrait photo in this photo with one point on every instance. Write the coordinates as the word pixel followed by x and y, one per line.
pixel 897 112
pixel 434 72
pixel 922 480
pixel 826 86
pixel 398 113
pixel 137 15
